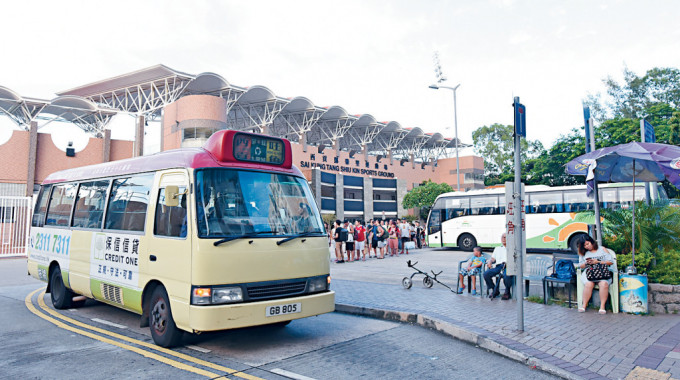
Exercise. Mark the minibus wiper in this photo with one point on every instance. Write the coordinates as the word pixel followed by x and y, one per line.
pixel 244 236
pixel 297 236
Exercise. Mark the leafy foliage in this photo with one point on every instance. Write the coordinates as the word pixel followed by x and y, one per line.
pixel 495 144
pixel 656 226
pixel 424 195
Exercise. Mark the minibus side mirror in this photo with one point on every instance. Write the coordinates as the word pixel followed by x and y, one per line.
pixel 171 196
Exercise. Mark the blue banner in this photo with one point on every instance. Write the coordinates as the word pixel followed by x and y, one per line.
pixel 520 120
pixel 586 117
pixel 650 136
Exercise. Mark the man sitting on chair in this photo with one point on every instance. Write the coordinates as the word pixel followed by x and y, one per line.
pixel 499 258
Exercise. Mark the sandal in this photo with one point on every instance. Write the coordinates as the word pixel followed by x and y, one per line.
pixel 581 310
pixel 602 311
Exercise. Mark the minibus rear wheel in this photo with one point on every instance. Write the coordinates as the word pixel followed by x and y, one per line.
pixel 163 329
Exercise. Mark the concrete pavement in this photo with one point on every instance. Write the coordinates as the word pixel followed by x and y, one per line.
pixel 556 339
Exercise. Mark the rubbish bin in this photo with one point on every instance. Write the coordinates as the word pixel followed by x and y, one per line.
pixel 633 293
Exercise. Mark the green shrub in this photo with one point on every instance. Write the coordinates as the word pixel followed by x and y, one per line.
pixel 666 270
pixel 642 261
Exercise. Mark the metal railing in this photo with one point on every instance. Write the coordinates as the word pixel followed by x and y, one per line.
pixel 15 220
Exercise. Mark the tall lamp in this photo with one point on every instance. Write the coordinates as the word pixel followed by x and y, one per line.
pixel 455 123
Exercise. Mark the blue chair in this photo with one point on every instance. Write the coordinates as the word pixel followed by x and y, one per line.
pixel 485 257
pixel 536 269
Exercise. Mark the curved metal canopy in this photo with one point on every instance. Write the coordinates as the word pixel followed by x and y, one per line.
pixel 145 92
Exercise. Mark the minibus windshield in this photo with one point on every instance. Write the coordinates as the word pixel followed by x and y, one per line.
pixel 233 202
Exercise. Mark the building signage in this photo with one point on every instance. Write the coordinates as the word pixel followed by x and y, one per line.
pixel 346 169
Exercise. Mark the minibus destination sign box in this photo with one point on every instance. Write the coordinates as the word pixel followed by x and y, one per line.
pixel 235 146
pixel 258 149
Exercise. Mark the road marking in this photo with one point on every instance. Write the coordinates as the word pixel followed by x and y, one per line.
pixel 292 375
pixel 44 307
pixel 199 349
pixel 105 322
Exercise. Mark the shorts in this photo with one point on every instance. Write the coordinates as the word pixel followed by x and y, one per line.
pixel 359 246
pixel 471 272
pixel 349 246
pixel 374 244
pixel 382 244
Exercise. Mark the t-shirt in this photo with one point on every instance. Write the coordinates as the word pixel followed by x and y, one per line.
pixel 600 254
pixel 500 254
pixel 360 230
pixel 405 230
pixel 476 261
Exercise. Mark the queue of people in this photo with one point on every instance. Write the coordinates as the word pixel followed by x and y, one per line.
pixel 356 241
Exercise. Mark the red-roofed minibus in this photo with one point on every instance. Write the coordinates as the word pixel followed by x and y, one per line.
pixel 193 239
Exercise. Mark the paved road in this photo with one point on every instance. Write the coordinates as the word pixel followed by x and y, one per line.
pixel 332 346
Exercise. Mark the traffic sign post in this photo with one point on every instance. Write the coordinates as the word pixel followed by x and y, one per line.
pixel 518 201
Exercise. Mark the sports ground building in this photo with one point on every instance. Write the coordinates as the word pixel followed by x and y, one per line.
pixel 357 166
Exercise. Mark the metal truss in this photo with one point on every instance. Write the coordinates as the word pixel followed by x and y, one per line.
pixel 385 142
pixel 92 122
pixel 294 124
pixel 359 137
pixel 254 116
pixel 21 111
pixel 410 146
pixel 329 130
pixel 143 99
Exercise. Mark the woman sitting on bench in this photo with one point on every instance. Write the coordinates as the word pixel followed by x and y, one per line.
pixel 596 261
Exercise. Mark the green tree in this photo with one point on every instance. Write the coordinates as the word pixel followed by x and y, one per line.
pixel 424 195
pixel 496 145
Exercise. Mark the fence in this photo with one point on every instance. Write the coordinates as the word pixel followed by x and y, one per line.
pixel 15 219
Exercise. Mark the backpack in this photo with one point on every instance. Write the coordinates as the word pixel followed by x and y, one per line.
pixel 342 234
pixel 564 270
pixel 356 234
pixel 382 237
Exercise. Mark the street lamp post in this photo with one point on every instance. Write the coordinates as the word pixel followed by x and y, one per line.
pixel 455 123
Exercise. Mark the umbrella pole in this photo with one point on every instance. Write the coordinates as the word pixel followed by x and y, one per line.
pixel 631 269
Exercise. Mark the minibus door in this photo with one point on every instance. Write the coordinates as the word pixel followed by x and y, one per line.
pixel 169 254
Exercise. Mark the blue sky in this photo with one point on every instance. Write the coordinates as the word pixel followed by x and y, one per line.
pixel 366 56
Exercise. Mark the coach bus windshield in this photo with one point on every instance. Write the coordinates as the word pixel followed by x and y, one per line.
pixel 237 202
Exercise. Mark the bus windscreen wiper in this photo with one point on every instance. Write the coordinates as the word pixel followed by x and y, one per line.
pixel 244 236
pixel 310 233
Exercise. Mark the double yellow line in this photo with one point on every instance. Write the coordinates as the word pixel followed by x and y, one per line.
pixel 60 320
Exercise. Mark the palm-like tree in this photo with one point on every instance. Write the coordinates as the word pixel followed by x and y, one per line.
pixel 656 225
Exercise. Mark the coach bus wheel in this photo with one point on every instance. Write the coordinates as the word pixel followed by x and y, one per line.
pixel 573 242
pixel 406 283
pixel 427 281
pixel 61 296
pixel 466 242
pixel 163 329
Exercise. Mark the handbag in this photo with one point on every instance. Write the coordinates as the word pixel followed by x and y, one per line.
pixel 598 272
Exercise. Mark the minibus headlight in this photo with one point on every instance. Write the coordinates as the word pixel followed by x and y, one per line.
pixel 318 284
pixel 227 295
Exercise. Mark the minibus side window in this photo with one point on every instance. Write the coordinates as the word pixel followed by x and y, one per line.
pixel 128 202
pixel 41 206
pixel 90 202
pixel 61 203
pixel 171 221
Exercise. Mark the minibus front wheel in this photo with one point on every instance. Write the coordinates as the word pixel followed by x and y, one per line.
pixel 62 297
pixel 163 329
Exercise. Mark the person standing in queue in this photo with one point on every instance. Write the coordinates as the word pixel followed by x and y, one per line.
pixel 359 239
pixel 349 243
pixel 338 234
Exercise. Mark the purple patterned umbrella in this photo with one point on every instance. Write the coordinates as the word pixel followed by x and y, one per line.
pixel 646 162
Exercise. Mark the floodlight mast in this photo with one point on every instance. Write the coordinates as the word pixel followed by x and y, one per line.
pixel 455 123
